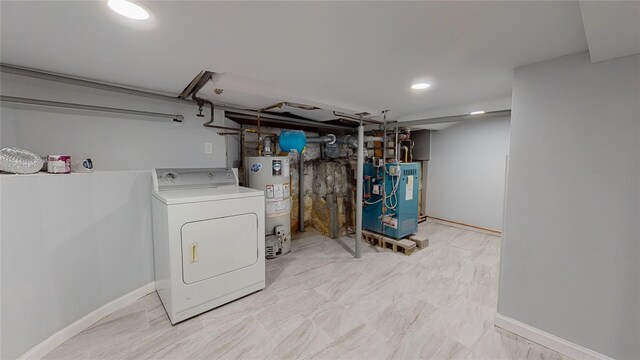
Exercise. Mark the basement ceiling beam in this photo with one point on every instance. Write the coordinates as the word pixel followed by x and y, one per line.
pixel 44 75
pixel 449 119
pixel 233 113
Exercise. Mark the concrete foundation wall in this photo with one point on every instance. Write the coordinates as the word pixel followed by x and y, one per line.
pixel 329 187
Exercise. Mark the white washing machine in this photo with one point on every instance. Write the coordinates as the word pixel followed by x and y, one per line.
pixel 208 239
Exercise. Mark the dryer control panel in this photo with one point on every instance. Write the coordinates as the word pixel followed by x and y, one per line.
pixel 193 178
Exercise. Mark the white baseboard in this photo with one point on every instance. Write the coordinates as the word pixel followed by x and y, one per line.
pixel 547 340
pixel 461 225
pixel 57 339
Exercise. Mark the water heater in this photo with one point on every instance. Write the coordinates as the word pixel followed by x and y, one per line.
pixel 271 175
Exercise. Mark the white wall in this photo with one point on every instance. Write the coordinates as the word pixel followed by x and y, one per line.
pixel 570 257
pixel 466 174
pixel 71 243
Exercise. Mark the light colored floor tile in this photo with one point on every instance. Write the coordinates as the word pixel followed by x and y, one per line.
pixel 338 320
pixel 304 341
pixel 321 303
pixel 500 345
pixel 427 343
pixel 362 342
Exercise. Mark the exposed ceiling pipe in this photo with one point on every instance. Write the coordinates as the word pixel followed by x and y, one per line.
pixel 352 142
pixel 191 91
pixel 18 70
pixel 356 117
pixel 200 103
pixel 235 130
pixel 38 74
pixel 325 139
pixel 196 84
pixel 250 114
pixel 448 119
pixel 290 104
pixel 65 105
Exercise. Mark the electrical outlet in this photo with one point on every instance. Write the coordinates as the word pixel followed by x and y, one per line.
pixel 208 148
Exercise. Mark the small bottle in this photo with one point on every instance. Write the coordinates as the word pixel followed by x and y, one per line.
pixel 84 164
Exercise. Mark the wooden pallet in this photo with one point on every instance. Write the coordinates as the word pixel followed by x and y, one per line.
pixel 404 246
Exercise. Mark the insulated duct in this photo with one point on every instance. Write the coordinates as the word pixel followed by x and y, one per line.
pixel 19 161
pixel 352 142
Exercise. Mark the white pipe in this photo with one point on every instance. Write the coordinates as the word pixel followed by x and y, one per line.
pixel 65 105
pixel 384 163
pixel 359 180
pixel 326 139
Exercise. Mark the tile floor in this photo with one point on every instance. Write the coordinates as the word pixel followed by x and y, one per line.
pixel 321 303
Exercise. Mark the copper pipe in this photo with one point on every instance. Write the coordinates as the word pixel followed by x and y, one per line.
pixel 221 127
pixel 406 153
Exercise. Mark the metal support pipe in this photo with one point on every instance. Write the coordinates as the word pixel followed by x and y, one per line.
pixel 57 104
pixel 359 181
pixel 384 165
pixel 301 193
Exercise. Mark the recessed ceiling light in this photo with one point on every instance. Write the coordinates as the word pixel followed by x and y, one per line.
pixel 476 112
pixel 420 86
pixel 128 9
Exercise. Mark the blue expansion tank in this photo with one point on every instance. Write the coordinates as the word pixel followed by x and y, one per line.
pixel 400 217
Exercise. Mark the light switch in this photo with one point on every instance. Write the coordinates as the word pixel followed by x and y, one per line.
pixel 208 148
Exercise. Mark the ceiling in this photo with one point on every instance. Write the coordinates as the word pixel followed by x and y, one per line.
pixel 612 28
pixel 348 56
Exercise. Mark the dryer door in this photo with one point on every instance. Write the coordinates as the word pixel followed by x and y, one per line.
pixel 214 247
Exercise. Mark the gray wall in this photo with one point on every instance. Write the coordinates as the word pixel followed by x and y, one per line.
pixel 72 243
pixel 467 172
pixel 115 142
pixel 570 257
pixel 421 144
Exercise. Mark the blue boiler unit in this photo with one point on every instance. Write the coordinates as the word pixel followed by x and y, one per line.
pixel 391 199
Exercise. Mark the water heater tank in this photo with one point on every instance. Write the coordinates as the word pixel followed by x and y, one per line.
pixel 271 175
